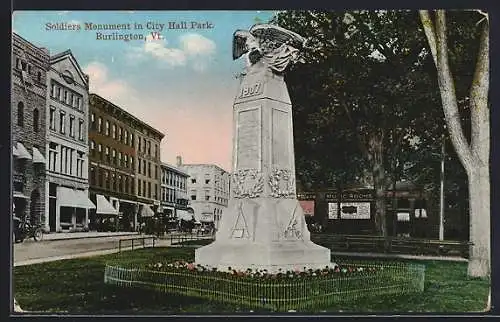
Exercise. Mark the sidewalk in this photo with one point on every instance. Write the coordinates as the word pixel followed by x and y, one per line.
pixel 158 243
pixel 91 234
pixel 401 256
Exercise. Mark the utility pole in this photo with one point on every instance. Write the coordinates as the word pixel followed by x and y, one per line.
pixel 441 196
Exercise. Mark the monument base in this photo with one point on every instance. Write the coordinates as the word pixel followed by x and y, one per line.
pixel 285 255
pixel 263 233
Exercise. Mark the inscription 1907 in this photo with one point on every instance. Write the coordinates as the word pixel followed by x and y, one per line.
pixel 250 90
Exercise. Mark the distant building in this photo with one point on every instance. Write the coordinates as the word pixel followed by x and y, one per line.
pixel 174 198
pixel 208 190
pixel 67 145
pixel 148 168
pixel 28 103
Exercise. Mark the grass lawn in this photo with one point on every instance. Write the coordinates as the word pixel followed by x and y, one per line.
pixel 77 286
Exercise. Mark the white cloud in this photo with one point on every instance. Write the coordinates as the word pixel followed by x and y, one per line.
pixel 196 44
pixel 101 84
pixel 195 51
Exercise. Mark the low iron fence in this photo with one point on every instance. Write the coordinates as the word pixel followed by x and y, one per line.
pixel 284 294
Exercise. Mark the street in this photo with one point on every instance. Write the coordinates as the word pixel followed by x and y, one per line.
pixel 30 250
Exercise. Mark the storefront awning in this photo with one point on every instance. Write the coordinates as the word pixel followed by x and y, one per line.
pixel 146 211
pixel 19 195
pixel 73 198
pixel 184 215
pixel 23 152
pixel 37 156
pixel 104 207
pixel 15 152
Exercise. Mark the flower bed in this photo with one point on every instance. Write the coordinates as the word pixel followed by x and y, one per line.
pixel 288 290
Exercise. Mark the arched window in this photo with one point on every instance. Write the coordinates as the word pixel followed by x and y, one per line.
pixel 35 119
pixel 20 114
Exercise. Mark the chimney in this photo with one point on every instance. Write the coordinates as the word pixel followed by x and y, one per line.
pixel 179 160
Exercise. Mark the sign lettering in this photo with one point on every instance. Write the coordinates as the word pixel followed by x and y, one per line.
pixel 250 90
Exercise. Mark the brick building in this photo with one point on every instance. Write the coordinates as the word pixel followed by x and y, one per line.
pixel 124 171
pixel 67 145
pixel 28 103
pixel 207 189
pixel 148 169
pixel 112 170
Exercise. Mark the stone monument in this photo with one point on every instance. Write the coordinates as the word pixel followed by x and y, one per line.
pixel 264 225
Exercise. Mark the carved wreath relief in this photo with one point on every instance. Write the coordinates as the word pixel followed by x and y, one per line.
pixel 282 183
pixel 247 183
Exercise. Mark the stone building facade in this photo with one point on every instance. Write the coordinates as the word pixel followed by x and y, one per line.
pixel 112 165
pixel 28 102
pixel 174 198
pixel 207 189
pixel 148 169
pixel 67 145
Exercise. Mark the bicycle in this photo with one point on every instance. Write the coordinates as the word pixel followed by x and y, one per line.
pixel 28 230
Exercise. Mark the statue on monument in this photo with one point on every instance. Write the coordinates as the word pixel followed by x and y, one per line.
pixel 275 47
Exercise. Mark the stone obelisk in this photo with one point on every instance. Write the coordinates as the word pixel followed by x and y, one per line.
pixel 264 225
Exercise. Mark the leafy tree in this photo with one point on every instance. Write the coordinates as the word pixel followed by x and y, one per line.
pixel 362 98
pixel 474 152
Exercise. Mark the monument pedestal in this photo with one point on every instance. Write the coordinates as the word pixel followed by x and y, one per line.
pixel 264 226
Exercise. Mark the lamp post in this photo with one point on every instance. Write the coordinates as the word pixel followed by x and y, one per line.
pixel 441 195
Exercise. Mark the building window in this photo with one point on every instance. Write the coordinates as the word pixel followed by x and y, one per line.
pixel 149 169
pixel 99 125
pixel 120 135
pixel 107 154
pixel 52 90
pixel 20 114
pixel 114 131
pixel 125 139
pixel 107 127
pixel 139 187
pixel 125 157
pixel 70 157
pixel 193 197
pixel 71 100
pixel 149 189
pixel 36 119
pixel 106 179
pixel 143 145
pixel 120 159
pixel 92 176
pixel 17 63
pixel 139 166
pixel 23 65
pixel 139 144
pixel 62 122
pixel 131 163
pixel 113 180
pixel 120 186
pixel 207 181
pixel 58 93
pixel 66 96
pixel 144 188
pixel 193 180
pixel 156 192
pixel 52 118
pixel 79 103
pixel 156 172
pixel 39 76
pixel 114 157
pixel 72 126
pixel 126 186
pixel 80 130
pixel 144 167
pixel 156 151
pixel 132 139
pixel 52 156
pixel 79 165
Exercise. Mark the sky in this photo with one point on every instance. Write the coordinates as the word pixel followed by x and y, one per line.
pixel 180 81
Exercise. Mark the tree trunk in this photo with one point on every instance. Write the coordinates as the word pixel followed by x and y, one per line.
pixel 377 162
pixel 479 218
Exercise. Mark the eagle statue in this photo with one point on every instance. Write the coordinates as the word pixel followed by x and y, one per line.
pixel 274 46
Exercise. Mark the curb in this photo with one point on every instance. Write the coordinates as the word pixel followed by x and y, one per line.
pixel 87 237
pixel 79 255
